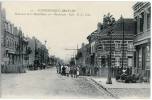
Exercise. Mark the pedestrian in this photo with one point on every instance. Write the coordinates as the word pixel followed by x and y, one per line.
pixel 60 68
pixel 57 68
pixel 63 70
pixel 77 69
pixel 67 70
pixel 71 71
pixel 74 71
pixel 84 71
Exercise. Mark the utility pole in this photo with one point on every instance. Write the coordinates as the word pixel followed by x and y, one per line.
pixel 74 50
pixel 122 43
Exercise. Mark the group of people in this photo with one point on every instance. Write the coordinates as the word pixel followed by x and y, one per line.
pixel 67 70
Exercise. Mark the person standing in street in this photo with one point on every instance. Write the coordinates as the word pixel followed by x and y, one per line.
pixel 74 71
pixel 67 70
pixel 63 70
pixel 77 69
pixel 71 71
pixel 59 68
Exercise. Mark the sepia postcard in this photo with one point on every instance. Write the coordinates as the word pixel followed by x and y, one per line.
pixel 75 49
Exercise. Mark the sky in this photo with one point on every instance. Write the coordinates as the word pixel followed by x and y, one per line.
pixel 62 24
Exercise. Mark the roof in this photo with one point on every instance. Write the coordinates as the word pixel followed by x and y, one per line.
pixel 118 30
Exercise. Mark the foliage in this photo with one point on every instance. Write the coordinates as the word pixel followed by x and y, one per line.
pixel 108 20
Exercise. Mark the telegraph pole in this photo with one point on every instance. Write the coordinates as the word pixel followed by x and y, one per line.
pixel 122 43
pixel 76 52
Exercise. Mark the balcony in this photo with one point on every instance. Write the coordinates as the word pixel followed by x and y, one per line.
pixel 142 37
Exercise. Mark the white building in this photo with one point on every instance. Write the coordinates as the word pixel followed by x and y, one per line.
pixel 142 14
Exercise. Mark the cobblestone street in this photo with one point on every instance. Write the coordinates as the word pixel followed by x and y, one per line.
pixel 47 84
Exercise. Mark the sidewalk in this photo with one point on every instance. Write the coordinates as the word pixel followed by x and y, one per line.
pixel 124 90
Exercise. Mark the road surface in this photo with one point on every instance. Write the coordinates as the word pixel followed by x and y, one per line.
pixel 48 84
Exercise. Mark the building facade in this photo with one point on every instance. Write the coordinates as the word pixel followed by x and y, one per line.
pixel 17 51
pixel 83 59
pixel 13 44
pixel 142 15
pixel 122 49
pixel 0 32
pixel 121 44
pixel 39 53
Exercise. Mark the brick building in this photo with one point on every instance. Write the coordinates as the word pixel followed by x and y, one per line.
pixel 142 14
pixel 121 45
pixel 98 49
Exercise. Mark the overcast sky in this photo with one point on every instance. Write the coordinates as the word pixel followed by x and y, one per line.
pixel 63 31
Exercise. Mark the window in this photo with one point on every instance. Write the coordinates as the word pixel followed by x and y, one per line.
pixel 10 43
pixel 130 46
pixel 8 27
pixel 140 59
pixel 148 18
pixel 141 22
pixel 117 45
pixel 130 62
pixel 117 61
pixel 100 48
pixel 5 26
pixel 147 53
pixel 93 47
pixel 7 43
pixel 135 25
pixel 15 45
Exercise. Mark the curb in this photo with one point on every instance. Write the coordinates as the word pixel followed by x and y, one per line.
pixel 101 86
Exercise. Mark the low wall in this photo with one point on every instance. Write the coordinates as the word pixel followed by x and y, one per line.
pixel 13 69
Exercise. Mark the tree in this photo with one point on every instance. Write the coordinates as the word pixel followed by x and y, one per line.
pixel 108 22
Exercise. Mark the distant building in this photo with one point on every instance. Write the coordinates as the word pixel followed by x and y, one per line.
pixel 39 53
pixel 81 55
pixel 91 60
pixel 82 59
pixel 31 45
pixel 142 14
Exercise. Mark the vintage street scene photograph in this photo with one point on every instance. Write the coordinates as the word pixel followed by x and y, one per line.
pixel 75 49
